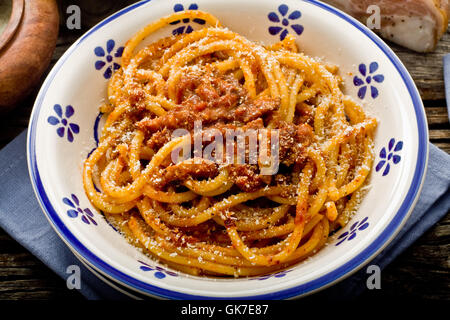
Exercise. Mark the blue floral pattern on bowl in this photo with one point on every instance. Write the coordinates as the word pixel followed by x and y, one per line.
pixel 351 234
pixel 367 80
pixel 62 121
pixel 160 273
pixel 284 19
pixel 389 155
pixel 186 28
pixel 107 58
pixel 279 274
pixel 86 214
pixel 96 129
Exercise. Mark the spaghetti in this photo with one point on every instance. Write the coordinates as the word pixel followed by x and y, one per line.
pixel 205 218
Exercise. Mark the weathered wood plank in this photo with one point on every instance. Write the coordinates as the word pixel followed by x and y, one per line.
pixel 439 134
pixel 32 289
pixel 20 259
pixel 437 115
pixel 52 294
pixel 14 272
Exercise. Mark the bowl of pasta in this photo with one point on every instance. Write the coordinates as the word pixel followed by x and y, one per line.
pixel 259 149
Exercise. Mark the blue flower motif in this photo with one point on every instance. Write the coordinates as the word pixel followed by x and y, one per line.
pixel 107 58
pixel 160 273
pixel 351 234
pixel 96 133
pixel 284 18
pixel 366 81
pixel 389 155
pixel 62 122
pixel 185 29
pixel 86 215
pixel 279 274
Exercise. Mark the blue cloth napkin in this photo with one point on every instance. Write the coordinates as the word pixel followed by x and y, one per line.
pixel 446 61
pixel 22 218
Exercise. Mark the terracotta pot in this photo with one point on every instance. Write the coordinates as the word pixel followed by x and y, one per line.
pixel 26 48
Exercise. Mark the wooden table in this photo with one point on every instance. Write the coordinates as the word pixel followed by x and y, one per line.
pixel 423 271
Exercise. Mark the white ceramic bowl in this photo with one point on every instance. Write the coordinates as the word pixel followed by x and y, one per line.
pixel 74 89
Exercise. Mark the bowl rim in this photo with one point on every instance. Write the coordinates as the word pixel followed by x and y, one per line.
pixel 322 282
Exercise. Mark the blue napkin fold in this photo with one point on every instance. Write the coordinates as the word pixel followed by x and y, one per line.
pixel 22 218
pixel 446 61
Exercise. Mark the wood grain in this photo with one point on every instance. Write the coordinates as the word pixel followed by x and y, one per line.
pixel 437 115
pixel 422 271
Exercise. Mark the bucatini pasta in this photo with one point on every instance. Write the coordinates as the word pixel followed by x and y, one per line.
pixel 227 217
